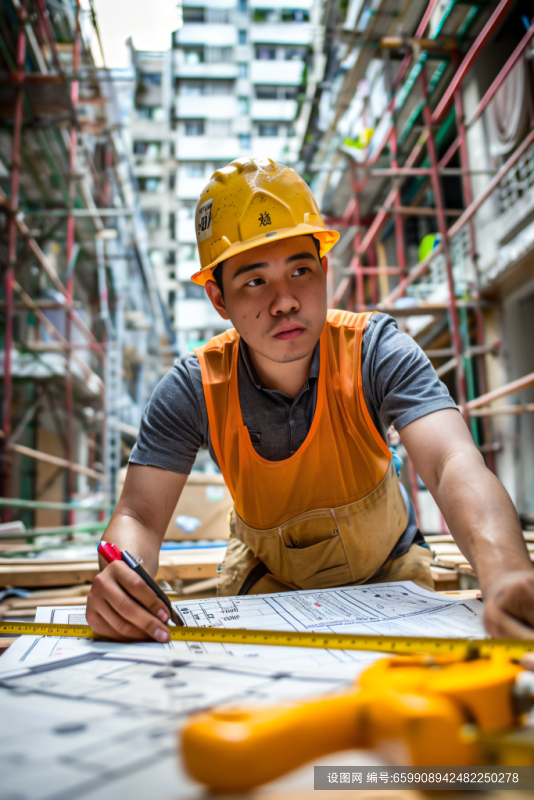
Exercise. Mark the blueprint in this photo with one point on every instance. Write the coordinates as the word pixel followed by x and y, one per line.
pixel 104 726
pixel 401 609
pixel 96 720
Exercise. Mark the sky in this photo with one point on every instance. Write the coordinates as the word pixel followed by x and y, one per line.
pixel 148 22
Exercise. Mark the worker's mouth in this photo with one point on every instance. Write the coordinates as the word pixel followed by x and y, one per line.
pixel 289 333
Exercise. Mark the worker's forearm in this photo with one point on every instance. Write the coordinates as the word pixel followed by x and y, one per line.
pixel 481 517
pixel 129 532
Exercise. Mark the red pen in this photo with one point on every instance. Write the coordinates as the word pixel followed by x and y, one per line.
pixel 112 553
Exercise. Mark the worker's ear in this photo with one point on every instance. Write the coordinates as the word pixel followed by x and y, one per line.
pixel 324 264
pixel 214 294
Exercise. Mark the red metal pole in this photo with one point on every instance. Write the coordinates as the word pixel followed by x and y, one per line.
pixel 18 116
pixel 399 222
pixel 468 199
pixel 442 225
pixel 469 59
pixel 71 231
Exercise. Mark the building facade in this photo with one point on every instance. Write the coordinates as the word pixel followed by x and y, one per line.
pixel 239 82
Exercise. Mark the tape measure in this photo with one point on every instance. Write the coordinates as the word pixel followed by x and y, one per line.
pixel 403 645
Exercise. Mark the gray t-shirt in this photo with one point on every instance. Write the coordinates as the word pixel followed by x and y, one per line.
pixel 399 385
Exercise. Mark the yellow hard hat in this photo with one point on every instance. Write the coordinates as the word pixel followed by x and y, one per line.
pixel 250 202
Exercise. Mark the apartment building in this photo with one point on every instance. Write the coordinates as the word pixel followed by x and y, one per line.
pixel 239 74
pixel 154 156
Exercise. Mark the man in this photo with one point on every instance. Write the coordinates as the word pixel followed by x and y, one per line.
pixel 293 404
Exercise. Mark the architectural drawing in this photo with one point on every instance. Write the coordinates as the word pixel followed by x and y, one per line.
pixel 402 609
pixel 104 726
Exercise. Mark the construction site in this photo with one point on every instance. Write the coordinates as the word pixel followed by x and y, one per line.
pixel 243 539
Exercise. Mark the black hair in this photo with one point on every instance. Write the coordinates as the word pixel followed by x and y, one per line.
pixel 217 271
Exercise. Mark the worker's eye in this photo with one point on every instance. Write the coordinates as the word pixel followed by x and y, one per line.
pixel 301 271
pixel 255 282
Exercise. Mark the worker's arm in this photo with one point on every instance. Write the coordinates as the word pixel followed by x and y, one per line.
pixel 120 604
pixel 480 516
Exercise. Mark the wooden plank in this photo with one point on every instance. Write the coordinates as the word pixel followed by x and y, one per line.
pixel 186 565
pixel 6 642
pixel 444 548
pixel 445 579
pixel 435 538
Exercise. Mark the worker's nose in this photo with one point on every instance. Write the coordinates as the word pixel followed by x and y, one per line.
pixel 284 301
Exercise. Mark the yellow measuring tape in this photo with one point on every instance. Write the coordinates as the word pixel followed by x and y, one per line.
pixel 403 645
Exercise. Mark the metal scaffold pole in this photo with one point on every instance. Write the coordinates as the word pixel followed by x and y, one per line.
pixel 427 163
pixel 70 171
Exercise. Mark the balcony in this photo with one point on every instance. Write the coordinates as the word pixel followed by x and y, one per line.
pixel 279 110
pixel 275 147
pixel 206 106
pixel 205 69
pixel 278 73
pixel 281 33
pixel 202 148
pixel 203 33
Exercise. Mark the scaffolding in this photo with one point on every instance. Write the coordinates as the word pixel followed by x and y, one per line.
pixel 77 283
pixel 419 141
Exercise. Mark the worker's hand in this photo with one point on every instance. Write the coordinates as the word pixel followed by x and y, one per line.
pixel 121 606
pixel 509 606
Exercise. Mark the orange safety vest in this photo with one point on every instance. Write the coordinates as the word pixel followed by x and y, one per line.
pixel 334 507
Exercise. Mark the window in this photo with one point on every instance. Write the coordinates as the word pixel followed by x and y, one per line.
pixel 172 299
pixel 243 105
pixel 242 6
pixel 219 16
pixel 218 87
pixel 264 53
pixel 266 92
pixel 294 54
pixel 193 55
pixel 244 141
pixel 193 14
pixel 172 182
pixel 285 15
pixel 268 129
pixel 193 291
pixel 195 169
pixel 242 70
pixel 194 127
pixel 187 252
pixel 265 15
pixel 219 127
pixel 150 184
pixel 218 55
pixel 171 259
pixel 295 15
pixel 157 113
pixel 191 88
pixel 152 219
pixel 150 79
pixel 242 37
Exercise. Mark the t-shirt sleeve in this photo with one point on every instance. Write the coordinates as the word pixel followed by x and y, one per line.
pixel 399 382
pixel 173 428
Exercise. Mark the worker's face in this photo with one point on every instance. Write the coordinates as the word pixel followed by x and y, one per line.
pixel 275 296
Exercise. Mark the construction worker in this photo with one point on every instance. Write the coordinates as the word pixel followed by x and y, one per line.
pixel 293 403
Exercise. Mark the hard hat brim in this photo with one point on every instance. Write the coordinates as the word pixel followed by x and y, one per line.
pixel 327 239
